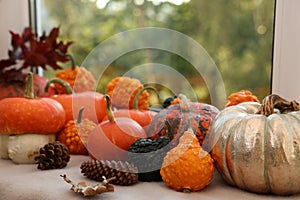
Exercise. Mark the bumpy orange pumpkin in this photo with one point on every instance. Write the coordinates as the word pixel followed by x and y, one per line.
pixel 75 133
pixel 240 97
pixel 187 167
pixel 123 90
pixel 79 78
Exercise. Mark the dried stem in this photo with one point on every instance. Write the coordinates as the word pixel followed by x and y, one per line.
pixel 273 101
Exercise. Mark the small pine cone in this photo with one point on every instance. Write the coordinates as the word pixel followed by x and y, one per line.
pixel 54 155
pixel 124 173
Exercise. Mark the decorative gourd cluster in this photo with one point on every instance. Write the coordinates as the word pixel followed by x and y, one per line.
pixel 127 142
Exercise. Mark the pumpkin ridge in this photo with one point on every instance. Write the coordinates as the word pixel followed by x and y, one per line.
pixel 225 157
pixel 266 172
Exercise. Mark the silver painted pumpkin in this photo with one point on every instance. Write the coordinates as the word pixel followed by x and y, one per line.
pixel 256 147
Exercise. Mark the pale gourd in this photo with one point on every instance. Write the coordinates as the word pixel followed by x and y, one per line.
pixel 22 149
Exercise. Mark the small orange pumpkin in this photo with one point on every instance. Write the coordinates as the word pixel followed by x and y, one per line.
pixel 240 97
pixel 187 167
pixel 79 78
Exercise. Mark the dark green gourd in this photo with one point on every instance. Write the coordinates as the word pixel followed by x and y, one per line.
pixel 147 155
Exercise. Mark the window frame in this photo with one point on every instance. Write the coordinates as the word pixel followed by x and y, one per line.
pixel 286 50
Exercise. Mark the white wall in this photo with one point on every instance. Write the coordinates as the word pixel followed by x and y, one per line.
pixel 286 68
pixel 13 16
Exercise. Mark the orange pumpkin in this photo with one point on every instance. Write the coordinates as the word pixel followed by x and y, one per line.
pixel 29 114
pixel 79 78
pixel 111 139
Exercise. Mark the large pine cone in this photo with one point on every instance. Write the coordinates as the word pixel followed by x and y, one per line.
pixel 54 155
pixel 124 173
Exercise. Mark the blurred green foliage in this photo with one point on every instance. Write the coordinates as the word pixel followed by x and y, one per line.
pixel 237 34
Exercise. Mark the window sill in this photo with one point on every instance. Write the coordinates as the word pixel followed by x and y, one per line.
pixel 26 182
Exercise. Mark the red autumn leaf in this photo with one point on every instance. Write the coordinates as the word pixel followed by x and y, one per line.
pixel 34 52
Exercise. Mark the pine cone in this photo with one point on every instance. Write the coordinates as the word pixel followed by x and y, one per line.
pixel 54 155
pixel 124 173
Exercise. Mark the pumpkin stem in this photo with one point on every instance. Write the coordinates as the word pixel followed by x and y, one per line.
pixel 109 112
pixel 169 134
pixel 138 94
pixel 183 103
pixel 70 58
pixel 79 117
pixel 273 101
pixel 29 88
pixel 66 86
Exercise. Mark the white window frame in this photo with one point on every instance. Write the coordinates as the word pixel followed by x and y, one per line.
pixel 14 15
pixel 286 52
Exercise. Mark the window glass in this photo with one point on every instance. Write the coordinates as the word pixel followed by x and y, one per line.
pixel 236 34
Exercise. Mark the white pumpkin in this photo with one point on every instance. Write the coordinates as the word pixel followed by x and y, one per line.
pixel 22 149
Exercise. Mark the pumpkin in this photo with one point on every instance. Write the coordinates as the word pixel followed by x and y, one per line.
pixel 79 78
pixel 256 147
pixel 187 167
pixel 239 97
pixel 123 90
pixel 111 139
pixel 93 102
pixel 26 116
pixel 178 115
pixel 147 155
pixel 75 133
